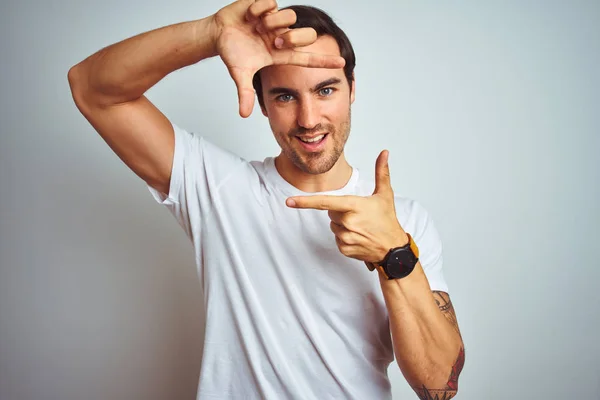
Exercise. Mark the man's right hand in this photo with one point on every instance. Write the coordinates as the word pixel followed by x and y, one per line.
pixel 252 34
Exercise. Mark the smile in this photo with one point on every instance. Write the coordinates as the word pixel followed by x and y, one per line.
pixel 313 144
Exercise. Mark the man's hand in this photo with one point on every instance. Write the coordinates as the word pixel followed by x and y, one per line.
pixel 365 228
pixel 252 34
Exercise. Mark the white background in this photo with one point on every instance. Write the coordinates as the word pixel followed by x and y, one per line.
pixel 489 110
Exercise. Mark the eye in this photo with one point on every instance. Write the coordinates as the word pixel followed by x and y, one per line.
pixel 284 98
pixel 328 91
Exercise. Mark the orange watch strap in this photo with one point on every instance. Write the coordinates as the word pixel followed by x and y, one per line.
pixel 380 268
pixel 413 245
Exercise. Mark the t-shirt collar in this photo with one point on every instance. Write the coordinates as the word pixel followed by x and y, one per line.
pixel 291 190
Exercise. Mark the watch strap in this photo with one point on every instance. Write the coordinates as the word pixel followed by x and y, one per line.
pixel 379 265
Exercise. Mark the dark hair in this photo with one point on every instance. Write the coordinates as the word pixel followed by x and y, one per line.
pixel 320 21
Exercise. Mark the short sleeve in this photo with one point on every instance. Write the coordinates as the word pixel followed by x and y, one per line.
pixel 199 167
pixel 422 228
pixel 185 144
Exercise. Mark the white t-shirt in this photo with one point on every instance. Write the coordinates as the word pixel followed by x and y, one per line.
pixel 288 316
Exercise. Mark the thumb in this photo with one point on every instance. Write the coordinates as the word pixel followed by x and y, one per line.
pixel 383 182
pixel 246 101
pixel 245 90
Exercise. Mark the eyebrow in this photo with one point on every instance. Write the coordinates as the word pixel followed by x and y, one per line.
pixel 319 86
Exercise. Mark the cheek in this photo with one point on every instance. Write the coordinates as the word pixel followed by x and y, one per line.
pixel 281 119
pixel 338 112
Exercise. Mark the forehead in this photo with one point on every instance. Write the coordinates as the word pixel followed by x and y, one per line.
pixel 297 77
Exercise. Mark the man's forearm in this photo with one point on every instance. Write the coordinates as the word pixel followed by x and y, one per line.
pixel 427 345
pixel 125 70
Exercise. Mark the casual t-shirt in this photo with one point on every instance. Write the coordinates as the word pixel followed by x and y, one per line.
pixel 288 316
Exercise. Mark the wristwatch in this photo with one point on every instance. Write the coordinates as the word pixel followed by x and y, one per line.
pixel 399 262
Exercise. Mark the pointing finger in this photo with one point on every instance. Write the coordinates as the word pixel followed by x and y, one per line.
pixel 323 202
pixel 312 60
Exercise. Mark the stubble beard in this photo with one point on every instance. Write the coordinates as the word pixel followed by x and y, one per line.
pixel 322 161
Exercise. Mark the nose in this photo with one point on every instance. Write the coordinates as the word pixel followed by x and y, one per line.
pixel 308 114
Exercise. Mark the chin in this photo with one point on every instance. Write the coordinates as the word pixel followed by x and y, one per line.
pixel 315 164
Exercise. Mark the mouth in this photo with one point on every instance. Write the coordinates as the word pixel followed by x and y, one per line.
pixel 316 143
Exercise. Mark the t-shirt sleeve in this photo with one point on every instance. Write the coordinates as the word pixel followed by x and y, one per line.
pixel 199 168
pixel 421 227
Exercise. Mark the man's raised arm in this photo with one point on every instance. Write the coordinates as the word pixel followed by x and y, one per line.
pixel 108 87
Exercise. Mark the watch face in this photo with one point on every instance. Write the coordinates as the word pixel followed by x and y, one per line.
pixel 400 263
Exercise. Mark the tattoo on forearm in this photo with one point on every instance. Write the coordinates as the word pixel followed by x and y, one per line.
pixel 456 369
pixel 451 387
pixel 426 394
pixel 445 305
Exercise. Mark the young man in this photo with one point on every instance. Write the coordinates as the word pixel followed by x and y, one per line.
pixel 314 277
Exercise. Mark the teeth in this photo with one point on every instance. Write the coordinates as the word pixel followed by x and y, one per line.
pixel 312 140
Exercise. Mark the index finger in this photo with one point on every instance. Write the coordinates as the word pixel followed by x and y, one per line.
pixel 304 59
pixel 323 202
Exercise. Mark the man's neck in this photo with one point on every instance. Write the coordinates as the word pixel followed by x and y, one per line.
pixel 336 178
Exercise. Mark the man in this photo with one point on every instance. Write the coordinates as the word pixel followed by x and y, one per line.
pixel 282 246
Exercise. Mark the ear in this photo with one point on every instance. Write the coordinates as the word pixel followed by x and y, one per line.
pixel 353 88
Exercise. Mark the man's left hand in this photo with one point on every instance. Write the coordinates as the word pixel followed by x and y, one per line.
pixel 365 228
